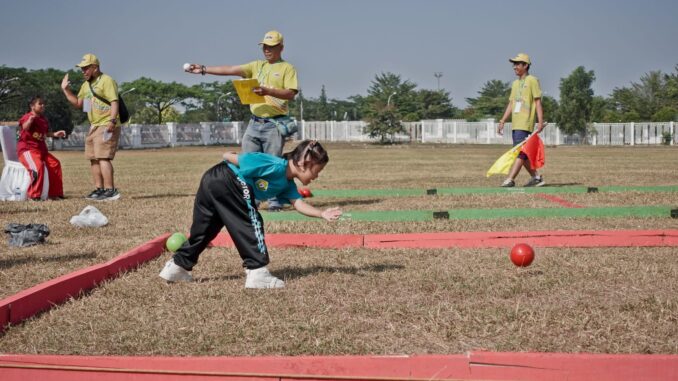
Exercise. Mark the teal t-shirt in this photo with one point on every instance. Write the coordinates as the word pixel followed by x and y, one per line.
pixel 266 174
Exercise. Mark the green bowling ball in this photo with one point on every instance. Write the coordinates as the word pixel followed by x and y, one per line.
pixel 175 241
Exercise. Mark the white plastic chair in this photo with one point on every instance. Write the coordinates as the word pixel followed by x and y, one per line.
pixel 15 178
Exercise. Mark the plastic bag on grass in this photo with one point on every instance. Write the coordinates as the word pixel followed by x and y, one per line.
pixel 90 217
pixel 26 235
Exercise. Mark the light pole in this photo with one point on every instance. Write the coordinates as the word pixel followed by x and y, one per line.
pixel 219 105
pixel 388 102
pixel 438 74
pixel 128 91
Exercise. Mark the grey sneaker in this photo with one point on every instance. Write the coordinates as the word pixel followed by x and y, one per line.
pixel 508 183
pixel 274 205
pixel 262 278
pixel 536 182
pixel 110 194
pixel 175 273
pixel 94 195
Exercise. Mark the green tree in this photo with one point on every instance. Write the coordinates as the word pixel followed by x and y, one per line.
pixel 654 91
pixel 322 111
pixel 491 101
pixel 550 107
pixel 214 101
pixel 384 124
pixel 401 93
pixel 158 95
pixel 576 100
pixel 665 114
pixel 432 104
pixel 18 86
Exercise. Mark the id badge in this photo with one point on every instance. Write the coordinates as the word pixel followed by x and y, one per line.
pixel 87 105
pixel 517 106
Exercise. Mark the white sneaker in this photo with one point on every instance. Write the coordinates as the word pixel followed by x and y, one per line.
pixel 262 278
pixel 175 273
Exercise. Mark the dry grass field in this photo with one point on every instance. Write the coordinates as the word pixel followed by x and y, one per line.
pixel 606 300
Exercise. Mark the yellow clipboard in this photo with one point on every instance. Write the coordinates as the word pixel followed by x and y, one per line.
pixel 244 89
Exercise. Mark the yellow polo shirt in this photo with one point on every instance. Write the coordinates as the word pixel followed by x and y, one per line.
pixel 525 91
pixel 100 112
pixel 280 75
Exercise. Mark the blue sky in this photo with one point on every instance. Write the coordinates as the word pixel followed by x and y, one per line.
pixel 344 44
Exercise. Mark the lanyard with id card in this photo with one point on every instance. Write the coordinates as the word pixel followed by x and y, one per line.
pixel 518 102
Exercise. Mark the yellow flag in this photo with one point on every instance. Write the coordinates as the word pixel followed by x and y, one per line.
pixel 504 163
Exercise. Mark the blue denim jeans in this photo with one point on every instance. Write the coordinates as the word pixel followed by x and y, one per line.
pixel 264 137
pixel 518 137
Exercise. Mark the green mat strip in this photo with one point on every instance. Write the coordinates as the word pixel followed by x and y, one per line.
pixel 424 215
pixel 347 193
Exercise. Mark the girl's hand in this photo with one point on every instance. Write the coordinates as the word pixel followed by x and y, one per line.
pixel 60 134
pixel 331 214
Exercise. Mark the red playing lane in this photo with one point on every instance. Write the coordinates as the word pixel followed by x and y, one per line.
pixel 567 238
pixel 470 366
pixel 337 241
pixel 557 238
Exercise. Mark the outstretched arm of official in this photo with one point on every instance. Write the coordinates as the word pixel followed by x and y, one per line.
pixel 216 70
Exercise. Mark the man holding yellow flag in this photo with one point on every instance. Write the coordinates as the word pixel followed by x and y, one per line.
pixel 524 104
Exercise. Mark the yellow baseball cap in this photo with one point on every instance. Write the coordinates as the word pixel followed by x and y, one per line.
pixel 272 38
pixel 521 57
pixel 88 59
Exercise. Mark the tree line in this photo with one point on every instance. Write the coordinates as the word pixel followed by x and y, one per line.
pixel 389 100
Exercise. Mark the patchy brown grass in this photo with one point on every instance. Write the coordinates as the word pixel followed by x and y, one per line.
pixel 620 300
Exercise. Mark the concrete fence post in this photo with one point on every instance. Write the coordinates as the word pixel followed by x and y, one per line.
pixel 236 132
pixel 136 136
pixel 205 132
pixel 172 133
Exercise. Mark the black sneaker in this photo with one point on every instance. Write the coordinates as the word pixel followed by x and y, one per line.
pixel 110 194
pixel 95 194
pixel 536 182
pixel 508 183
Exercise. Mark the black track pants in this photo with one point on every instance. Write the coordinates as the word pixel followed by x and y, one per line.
pixel 225 200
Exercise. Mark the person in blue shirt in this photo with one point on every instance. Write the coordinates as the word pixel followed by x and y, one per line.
pixel 226 197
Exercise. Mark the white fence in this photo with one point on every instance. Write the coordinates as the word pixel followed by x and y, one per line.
pixel 426 131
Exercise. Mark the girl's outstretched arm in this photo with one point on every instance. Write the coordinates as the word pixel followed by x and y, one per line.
pixel 330 214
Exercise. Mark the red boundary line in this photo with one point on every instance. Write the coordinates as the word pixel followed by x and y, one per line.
pixel 558 200
pixel 567 238
pixel 44 296
pixel 471 366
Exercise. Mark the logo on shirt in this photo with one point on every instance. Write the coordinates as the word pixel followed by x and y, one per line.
pixel 262 185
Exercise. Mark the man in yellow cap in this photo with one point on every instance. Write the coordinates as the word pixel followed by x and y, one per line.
pixel 524 104
pixel 98 97
pixel 278 86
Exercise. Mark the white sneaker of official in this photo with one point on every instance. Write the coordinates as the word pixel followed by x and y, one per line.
pixel 262 278
pixel 175 273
